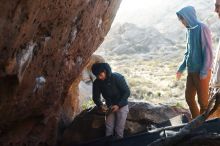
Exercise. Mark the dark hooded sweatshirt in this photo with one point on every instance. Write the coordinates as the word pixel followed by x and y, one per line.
pixel 114 88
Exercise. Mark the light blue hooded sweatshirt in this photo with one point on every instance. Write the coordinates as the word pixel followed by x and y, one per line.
pixel 198 57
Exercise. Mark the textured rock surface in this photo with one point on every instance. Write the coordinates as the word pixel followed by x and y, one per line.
pixel 48 39
pixel 142 116
pixel 85 85
pixel 80 91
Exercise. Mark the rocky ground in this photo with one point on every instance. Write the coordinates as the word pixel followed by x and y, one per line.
pixel 89 125
pixel 45 45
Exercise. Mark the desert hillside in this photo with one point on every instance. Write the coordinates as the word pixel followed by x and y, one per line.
pixel 147 49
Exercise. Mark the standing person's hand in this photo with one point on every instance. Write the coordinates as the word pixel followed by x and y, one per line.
pixel 178 75
pixel 114 108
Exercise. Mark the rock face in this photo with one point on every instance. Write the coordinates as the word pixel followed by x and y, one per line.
pixel 80 91
pixel 90 125
pixel 87 78
pixel 44 46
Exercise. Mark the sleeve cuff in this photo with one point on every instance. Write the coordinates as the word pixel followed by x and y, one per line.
pixel 181 69
pixel 203 75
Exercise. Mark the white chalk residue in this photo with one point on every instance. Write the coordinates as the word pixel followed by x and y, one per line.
pixel 46 39
pixel 100 23
pixel 74 20
pixel 70 64
pixel 66 48
pixel 24 59
pixel 40 81
pixel 79 60
pixel 73 35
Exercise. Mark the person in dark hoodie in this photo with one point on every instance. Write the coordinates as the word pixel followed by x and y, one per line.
pixel 198 61
pixel 115 91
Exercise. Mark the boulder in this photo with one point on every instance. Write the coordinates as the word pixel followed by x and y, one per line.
pixel 44 45
pixel 90 125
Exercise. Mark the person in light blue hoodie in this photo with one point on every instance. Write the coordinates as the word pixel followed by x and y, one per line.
pixel 197 60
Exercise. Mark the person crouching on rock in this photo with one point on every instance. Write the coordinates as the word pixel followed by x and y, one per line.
pixel 115 91
pixel 198 61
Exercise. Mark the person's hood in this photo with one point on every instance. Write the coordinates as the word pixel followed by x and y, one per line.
pixel 189 15
pixel 100 67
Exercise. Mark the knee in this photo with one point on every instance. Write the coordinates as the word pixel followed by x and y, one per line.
pixel 110 120
pixel 108 124
pixel 190 100
pixel 203 103
pixel 109 128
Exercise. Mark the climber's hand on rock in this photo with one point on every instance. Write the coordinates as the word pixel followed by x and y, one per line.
pixel 103 108
pixel 114 108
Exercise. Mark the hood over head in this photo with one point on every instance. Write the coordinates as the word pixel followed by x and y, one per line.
pixel 97 68
pixel 189 15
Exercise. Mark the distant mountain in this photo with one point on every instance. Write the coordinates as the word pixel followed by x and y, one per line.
pixel 131 39
pixel 147 30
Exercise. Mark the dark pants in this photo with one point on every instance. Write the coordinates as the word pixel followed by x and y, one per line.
pixel 195 85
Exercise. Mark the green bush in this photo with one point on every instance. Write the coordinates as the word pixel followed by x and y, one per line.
pixel 88 104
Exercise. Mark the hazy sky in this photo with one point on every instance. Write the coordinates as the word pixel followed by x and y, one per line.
pixel 146 11
pixel 129 5
pixel 129 9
